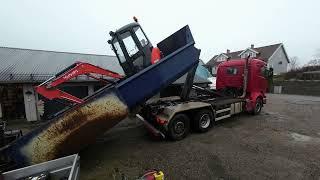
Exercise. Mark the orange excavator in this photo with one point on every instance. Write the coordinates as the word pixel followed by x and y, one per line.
pixel 79 124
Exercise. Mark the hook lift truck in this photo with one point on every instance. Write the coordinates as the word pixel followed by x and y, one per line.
pixel 78 125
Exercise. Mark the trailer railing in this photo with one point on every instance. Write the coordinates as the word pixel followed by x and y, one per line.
pixel 63 168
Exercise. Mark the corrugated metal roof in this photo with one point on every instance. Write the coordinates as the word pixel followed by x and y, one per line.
pixel 27 65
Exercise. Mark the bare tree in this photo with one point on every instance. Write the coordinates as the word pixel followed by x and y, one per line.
pixel 317 54
pixel 294 63
pixel 315 61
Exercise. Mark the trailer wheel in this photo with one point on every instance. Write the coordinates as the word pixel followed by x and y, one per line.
pixel 179 127
pixel 203 120
pixel 257 107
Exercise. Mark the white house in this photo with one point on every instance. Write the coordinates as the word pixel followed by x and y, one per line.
pixel 275 55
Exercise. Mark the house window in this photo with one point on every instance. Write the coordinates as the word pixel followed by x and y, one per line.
pixel 245 55
pixel 280 62
pixel 232 70
pixel 221 58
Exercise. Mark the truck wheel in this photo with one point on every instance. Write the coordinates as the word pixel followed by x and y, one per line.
pixel 257 107
pixel 203 120
pixel 179 127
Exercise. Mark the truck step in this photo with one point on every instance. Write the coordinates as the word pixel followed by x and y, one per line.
pixel 223 117
pixel 223 110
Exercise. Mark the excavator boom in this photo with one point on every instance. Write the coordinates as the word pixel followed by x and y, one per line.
pixel 49 89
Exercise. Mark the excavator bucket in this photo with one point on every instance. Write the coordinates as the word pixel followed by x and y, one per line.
pixel 75 128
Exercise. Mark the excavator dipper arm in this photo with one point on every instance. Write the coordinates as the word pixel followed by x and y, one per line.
pixel 49 89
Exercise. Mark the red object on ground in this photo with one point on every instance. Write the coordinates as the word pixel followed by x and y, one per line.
pixel 48 88
pixel 149 175
pixel 155 55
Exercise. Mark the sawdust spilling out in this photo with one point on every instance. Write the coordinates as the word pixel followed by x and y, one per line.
pixel 75 130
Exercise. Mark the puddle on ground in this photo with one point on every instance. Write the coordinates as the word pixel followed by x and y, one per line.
pixel 300 137
pixel 275 116
pixel 305 102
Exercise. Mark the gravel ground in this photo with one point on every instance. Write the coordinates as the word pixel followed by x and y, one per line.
pixel 282 142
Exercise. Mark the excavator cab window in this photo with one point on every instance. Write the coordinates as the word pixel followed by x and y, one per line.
pixel 119 52
pixel 129 43
pixel 132 48
pixel 140 35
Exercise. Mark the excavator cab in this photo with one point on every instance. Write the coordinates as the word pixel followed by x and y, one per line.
pixel 132 48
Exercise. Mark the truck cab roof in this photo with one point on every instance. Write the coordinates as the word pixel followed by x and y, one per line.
pixel 240 62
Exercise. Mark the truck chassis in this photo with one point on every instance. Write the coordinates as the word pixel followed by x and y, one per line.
pixel 173 117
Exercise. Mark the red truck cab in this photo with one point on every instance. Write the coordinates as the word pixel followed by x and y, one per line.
pixel 230 80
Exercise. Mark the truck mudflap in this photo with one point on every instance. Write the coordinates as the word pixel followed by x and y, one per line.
pixel 264 100
pixel 249 106
pixel 75 128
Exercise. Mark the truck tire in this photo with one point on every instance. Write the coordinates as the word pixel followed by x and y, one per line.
pixel 179 127
pixel 203 120
pixel 258 107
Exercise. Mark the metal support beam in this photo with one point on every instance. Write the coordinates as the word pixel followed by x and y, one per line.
pixel 188 83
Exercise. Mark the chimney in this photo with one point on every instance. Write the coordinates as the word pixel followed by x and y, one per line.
pixel 228 51
pixel 252 46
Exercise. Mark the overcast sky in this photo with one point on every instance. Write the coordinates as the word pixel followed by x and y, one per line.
pixel 83 26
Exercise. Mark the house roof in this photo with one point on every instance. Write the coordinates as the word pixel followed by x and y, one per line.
pixel 212 61
pixel 19 65
pixel 248 49
pixel 265 52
